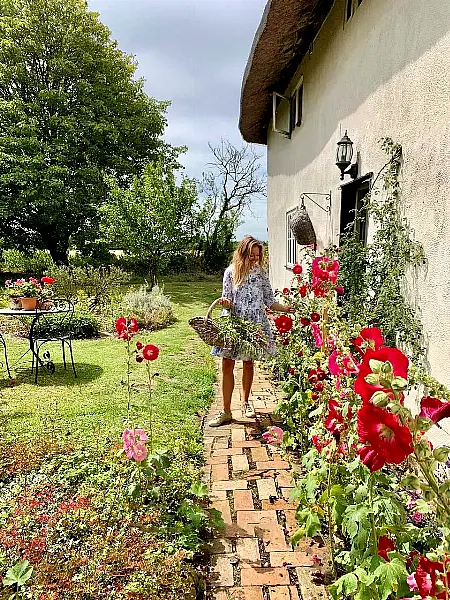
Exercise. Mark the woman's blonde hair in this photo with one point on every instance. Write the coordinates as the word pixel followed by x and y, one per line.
pixel 241 258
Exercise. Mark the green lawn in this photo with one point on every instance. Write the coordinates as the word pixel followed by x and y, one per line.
pixel 92 408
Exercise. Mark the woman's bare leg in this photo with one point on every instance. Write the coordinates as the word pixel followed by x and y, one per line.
pixel 247 378
pixel 227 382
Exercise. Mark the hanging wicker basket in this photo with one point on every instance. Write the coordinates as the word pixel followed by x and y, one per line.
pixel 302 228
pixel 207 329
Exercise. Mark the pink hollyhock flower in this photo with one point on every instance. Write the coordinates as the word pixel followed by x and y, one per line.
pixel 139 452
pixel 369 337
pixel 297 269
pixel 342 364
pixel 399 362
pixel 317 335
pixel 434 409
pixel 283 323
pixel 389 440
pixel 316 560
pixel 150 352
pixel 128 437
pixel 274 435
pixel 417 517
pixel 325 268
pixel 385 545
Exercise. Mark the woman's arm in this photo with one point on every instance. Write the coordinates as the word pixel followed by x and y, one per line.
pixel 284 308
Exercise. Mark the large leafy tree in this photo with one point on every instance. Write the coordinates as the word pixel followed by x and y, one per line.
pixel 154 219
pixel 70 111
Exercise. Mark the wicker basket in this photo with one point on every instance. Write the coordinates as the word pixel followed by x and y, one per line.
pixel 302 228
pixel 207 328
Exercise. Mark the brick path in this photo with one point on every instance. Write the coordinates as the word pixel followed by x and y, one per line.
pixel 250 484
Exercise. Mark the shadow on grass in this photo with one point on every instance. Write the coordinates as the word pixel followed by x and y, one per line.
pixel 62 377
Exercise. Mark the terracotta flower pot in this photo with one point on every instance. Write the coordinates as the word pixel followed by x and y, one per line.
pixel 29 303
pixel 14 303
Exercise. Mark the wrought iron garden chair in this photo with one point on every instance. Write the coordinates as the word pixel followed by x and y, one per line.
pixel 54 325
pixel 3 343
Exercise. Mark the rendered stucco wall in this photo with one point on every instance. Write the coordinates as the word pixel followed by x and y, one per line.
pixel 385 72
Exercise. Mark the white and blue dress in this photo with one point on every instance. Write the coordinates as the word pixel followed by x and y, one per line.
pixel 249 300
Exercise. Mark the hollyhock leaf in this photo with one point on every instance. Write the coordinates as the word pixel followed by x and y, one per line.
pixel 391 577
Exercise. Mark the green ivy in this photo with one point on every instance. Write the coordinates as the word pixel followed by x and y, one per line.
pixel 374 276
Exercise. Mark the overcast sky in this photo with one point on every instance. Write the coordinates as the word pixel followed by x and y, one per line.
pixel 193 53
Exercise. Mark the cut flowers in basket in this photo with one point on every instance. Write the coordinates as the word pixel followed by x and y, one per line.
pixel 243 336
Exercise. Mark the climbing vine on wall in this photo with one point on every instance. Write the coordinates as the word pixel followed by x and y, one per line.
pixel 375 276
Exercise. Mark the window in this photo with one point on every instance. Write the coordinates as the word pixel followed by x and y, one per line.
pixel 353 214
pixel 291 244
pixel 287 112
pixel 297 107
pixel 351 6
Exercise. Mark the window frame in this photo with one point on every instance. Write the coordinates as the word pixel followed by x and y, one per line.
pixel 275 104
pixel 291 243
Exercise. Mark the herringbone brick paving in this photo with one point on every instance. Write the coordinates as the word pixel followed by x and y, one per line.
pixel 250 483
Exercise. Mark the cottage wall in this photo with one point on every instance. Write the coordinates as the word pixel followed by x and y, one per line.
pixel 384 72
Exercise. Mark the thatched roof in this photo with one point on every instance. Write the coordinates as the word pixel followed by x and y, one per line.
pixel 284 35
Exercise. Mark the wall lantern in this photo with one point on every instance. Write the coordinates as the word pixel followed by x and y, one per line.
pixel 344 157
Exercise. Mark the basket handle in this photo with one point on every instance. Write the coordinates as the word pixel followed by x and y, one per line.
pixel 213 305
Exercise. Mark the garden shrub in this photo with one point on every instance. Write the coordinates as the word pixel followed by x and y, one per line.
pixel 99 284
pixel 15 261
pixel 151 308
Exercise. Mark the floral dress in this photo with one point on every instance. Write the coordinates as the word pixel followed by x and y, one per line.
pixel 249 300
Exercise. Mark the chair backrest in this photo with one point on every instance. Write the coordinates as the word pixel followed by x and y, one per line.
pixel 54 323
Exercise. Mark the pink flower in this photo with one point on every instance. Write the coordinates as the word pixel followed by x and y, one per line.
pixel 342 365
pixel 417 517
pixel 339 290
pixel 317 334
pixel 139 452
pixel 274 435
pixel 134 444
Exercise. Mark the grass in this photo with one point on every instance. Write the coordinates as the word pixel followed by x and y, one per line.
pixel 92 408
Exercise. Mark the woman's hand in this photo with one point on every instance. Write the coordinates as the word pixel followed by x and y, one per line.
pixel 225 303
pixel 289 309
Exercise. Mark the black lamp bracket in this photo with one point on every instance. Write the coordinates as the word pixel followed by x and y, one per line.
pixel 309 194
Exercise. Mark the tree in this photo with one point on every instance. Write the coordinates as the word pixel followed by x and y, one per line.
pixel 70 111
pixel 235 179
pixel 154 219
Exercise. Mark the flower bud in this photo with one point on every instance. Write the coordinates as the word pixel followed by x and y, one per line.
pixel 412 482
pixel 423 424
pixel 441 453
pixel 387 368
pixel 372 379
pixel 375 365
pixel 399 384
pixel 380 399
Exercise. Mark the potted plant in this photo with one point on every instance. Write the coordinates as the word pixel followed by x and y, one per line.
pixel 46 293
pixel 13 294
pixel 29 292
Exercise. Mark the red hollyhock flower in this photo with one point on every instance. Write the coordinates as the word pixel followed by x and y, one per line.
pixel 315 317
pixel 283 323
pixel 335 421
pixel 319 386
pixel 300 353
pixel 385 545
pixel 325 268
pixel 285 342
pixel 303 291
pixel 370 337
pixel 424 579
pixel 371 458
pixel 139 358
pixel 315 396
pixel 297 269
pixel 384 433
pixel 292 371
pixel 434 409
pixel 312 376
pixel 286 291
pixel 133 326
pixel 339 290
pixel 121 324
pixel 305 322
pixel 399 362
pixel 48 280
pixel 139 345
pixel 150 352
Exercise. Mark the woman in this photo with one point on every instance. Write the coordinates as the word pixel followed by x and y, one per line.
pixel 247 287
